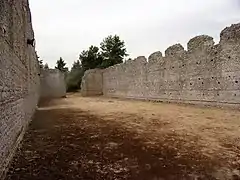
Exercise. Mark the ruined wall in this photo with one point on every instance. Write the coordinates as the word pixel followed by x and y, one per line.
pixel 92 84
pixel 205 73
pixel 52 84
pixel 19 80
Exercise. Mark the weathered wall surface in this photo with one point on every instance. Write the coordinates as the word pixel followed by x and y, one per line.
pixel 19 80
pixel 205 73
pixel 52 84
pixel 92 84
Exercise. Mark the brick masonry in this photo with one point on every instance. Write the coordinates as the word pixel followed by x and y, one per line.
pixel 19 76
pixel 204 73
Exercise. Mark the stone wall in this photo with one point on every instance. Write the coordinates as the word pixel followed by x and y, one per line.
pixel 52 84
pixel 92 83
pixel 19 80
pixel 205 73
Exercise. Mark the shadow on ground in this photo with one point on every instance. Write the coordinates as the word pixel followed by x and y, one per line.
pixel 72 144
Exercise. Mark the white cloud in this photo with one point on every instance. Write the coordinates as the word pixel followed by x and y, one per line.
pixel 65 28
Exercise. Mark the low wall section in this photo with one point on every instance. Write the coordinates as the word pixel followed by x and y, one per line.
pixel 52 83
pixel 92 83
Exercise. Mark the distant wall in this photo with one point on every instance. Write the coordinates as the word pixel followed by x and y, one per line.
pixel 19 80
pixel 52 84
pixel 92 84
pixel 205 73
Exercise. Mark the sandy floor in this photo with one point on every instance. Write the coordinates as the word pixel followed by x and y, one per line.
pixel 100 138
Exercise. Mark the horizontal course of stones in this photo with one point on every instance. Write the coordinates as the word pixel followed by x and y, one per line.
pixel 19 76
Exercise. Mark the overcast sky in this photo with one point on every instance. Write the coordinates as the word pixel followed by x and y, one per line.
pixel 67 27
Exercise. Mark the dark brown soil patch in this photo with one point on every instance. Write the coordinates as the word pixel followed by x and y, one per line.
pixel 72 144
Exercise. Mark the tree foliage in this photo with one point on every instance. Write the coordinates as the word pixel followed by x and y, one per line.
pixel 113 51
pixel 76 65
pixel 61 65
pixel 74 77
pixel 46 66
pixel 91 58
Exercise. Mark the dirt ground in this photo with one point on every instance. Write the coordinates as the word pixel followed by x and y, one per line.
pixel 112 139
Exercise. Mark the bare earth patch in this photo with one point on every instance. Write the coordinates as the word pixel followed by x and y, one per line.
pixel 100 138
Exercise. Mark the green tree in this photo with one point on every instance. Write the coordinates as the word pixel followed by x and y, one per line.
pixel 61 65
pixel 74 77
pixel 46 66
pixel 91 58
pixel 76 65
pixel 113 51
